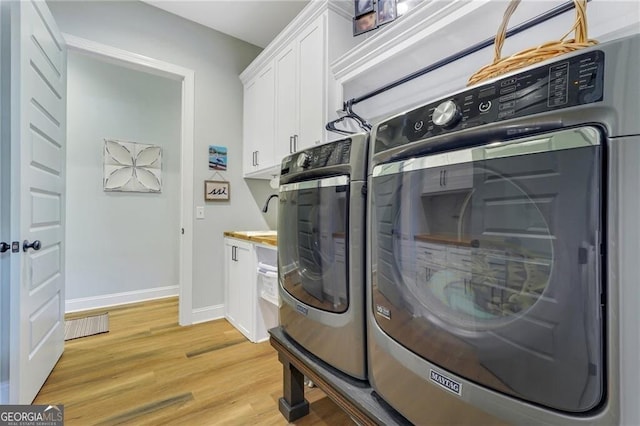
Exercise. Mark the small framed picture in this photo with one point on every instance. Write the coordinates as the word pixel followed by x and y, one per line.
pixel 216 190
pixel 387 11
pixel 217 157
pixel 364 23
pixel 362 7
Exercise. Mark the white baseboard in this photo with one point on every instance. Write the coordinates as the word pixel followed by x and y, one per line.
pixel 95 302
pixel 207 314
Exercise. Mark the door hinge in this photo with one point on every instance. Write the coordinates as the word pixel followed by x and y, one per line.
pixel 182 231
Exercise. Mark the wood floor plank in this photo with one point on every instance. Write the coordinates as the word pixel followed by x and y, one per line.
pixel 140 411
pixel 148 370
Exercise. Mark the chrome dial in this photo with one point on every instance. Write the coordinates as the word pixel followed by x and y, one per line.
pixel 446 114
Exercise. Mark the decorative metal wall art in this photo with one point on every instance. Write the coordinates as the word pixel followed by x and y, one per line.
pixel 132 167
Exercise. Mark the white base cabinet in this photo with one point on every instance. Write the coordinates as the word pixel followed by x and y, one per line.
pixel 239 273
pixel 246 306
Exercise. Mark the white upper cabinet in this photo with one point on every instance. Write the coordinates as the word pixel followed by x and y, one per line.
pixel 304 95
pixel 312 85
pixel 300 89
pixel 286 100
pixel 248 117
pixel 258 121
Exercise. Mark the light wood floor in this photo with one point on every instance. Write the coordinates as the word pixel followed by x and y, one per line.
pixel 150 371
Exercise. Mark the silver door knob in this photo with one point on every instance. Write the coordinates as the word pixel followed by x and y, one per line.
pixel 36 245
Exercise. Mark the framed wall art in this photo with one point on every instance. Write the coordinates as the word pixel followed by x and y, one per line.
pixel 217 157
pixel 217 190
pixel 387 11
pixel 364 23
pixel 362 7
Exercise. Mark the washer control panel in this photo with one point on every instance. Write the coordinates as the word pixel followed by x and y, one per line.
pixel 574 81
pixel 329 154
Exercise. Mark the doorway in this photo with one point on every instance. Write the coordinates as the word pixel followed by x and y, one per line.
pixel 179 198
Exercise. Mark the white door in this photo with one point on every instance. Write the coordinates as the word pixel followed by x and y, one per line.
pixel 4 225
pixel 38 133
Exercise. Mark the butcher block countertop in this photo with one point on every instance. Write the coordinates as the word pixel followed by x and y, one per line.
pixel 269 238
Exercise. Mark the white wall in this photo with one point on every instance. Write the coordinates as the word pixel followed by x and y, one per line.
pixel 119 242
pixel 217 60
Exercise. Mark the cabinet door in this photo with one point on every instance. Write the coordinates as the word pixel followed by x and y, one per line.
pixel 240 280
pixel 259 116
pixel 249 128
pixel 265 116
pixel 286 101
pixel 312 68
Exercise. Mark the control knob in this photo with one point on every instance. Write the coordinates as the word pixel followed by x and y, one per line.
pixel 304 160
pixel 447 114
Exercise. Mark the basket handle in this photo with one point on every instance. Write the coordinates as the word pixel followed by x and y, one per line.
pixel 579 26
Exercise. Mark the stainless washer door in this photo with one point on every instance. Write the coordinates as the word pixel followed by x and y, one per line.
pixel 487 263
pixel 312 233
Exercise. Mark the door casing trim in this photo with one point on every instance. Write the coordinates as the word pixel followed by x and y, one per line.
pixel 187 78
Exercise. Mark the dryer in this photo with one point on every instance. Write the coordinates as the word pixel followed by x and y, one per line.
pixel 321 248
pixel 504 247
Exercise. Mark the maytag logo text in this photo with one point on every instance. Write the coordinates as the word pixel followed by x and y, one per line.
pixel 445 382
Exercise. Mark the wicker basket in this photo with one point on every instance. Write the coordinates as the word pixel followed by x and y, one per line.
pixel 536 54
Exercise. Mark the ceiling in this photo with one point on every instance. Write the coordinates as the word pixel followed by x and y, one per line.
pixel 254 21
